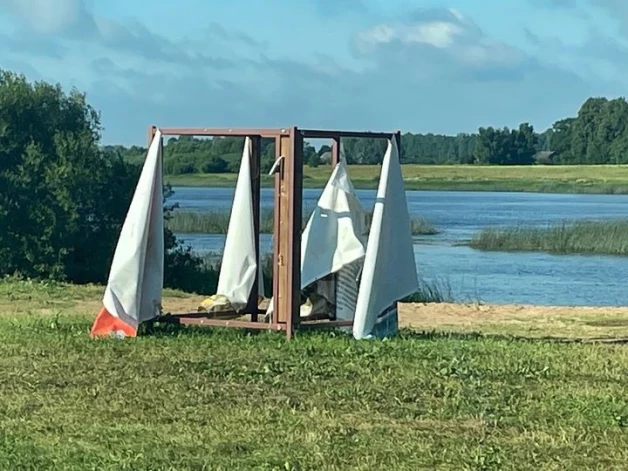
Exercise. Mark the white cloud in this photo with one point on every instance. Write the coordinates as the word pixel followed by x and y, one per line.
pixel 440 34
pixel 433 71
pixel 52 17
pixel 444 40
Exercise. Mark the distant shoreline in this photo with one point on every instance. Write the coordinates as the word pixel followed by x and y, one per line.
pixel 572 179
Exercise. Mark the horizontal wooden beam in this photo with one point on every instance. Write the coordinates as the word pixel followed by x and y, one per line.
pixel 224 132
pixel 330 134
pixel 325 324
pixel 194 319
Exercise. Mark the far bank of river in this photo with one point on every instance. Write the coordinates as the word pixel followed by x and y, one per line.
pixel 578 179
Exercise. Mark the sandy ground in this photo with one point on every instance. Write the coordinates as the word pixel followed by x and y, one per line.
pixel 423 315
pixel 517 320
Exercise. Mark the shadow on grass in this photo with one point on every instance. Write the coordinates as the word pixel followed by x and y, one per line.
pixel 442 335
pixel 177 330
pixel 80 326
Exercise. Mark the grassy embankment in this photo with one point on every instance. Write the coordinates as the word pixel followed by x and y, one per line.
pixel 217 222
pixel 610 179
pixel 581 237
pixel 208 399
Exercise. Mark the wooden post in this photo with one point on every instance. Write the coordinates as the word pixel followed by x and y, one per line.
pixel 277 258
pixel 397 137
pixel 252 306
pixel 290 215
pixel 335 151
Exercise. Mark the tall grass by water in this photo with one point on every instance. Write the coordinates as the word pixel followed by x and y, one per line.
pixel 580 237
pixel 217 222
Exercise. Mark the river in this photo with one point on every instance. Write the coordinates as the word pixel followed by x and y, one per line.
pixel 471 275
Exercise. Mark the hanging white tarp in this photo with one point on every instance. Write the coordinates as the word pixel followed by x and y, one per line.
pixel 333 236
pixel 133 292
pixel 333 241
pixel 389 271
pixel 239 262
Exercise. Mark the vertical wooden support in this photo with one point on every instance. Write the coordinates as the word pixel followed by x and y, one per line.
pixel 277 258
pixel 397 137
pixel 290 215
pixel 296 206
pixel 281 230
pixel 152 130
pixel 151 133
pixel 252 306
pixel 335 151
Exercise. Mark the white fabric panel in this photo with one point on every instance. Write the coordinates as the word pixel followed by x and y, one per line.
pixel 389 272
pixel 334 235
pixel 133 291
pixel 239 263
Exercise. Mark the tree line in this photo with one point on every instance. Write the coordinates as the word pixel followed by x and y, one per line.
pixel 597 135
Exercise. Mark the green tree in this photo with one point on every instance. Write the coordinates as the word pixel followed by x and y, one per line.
pixel 506 147
pixel 523 145
pixel 63 199
pixel 310 156
pixel 324 148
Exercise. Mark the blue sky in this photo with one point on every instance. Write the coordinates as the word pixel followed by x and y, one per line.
pixel 442 66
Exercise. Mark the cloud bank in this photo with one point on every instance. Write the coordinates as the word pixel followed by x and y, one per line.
pixel 426 70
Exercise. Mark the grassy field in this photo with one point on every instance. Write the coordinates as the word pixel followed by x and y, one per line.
pixel 582 237
pixel 611 179
pixel 217 222
pixel 186 399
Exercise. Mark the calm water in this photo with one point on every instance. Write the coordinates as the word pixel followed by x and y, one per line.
pixel 492 277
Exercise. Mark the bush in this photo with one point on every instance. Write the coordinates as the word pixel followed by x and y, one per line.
pixel 63 199
pixel 215 165
pixel 178 167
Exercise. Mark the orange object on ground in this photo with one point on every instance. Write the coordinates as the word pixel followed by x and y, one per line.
pixel 108 324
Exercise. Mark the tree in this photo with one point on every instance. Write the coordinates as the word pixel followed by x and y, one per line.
pixel 310 156
pixel 559 140
pixel 523 145
pixel 506 147
pixel 63 199
pixel 61 195
pixel 324 148
pixel 216 165
pixel 364 151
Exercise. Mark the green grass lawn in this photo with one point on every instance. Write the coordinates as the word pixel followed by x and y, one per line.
pixel 612 179
pixel 191 399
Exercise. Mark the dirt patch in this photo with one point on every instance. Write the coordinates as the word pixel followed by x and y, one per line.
pixel 513 319
pixel 518 319
pixel 465 314
pixel 182 305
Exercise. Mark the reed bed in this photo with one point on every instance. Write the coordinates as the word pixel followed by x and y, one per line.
pixel 217 222
pixel 580 237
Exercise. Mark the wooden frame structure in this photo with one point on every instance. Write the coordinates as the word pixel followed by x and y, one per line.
pixel 288 204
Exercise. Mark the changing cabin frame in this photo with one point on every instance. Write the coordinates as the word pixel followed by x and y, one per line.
pixel 288 207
